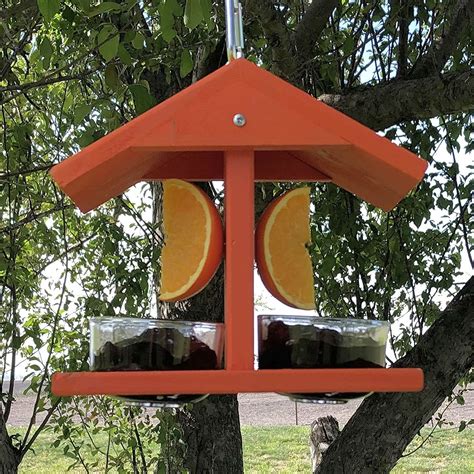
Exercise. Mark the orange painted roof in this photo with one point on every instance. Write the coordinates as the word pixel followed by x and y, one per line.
pixel 295 137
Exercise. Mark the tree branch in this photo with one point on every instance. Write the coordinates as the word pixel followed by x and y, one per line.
pixel 208 61
pixel 462 20
pixel 24 172
pixel 403 22
pixel 9 455
pixel 33 216
pixel 311 26
pixel 277 34
pixel 384 105
pixel 445 355
pixel 21 88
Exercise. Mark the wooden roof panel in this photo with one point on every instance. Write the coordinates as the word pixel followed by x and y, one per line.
pixel 279 118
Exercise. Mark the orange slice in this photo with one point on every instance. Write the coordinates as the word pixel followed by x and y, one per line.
pixel 193 245
pixel 283 260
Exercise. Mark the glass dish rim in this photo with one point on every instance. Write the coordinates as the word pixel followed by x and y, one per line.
pixel 312 319
pixel 159 323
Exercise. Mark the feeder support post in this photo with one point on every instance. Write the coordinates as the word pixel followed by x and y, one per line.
pixel 239 258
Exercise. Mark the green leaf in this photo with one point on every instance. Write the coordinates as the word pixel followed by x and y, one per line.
pixel 68 14
pixel 104 7
pixel 85 139
pixel 193 14
pixel 68 101
pixel 46 50
pixel 175 7
pixel 108 41
pixel 460 400
pixel 35 55
pixel 84 5
pixel 206 8
pixel 138 41
pixel 167 30
pixel 169 34
pixel 348 45
pixel 124 55
pixel 141 98
pixel 48 8
pixel 186 65
pixel 111 77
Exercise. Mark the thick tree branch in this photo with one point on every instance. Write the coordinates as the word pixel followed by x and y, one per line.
pixel 445 353
pixel 311 26
pixel 461 21
pixel 9 455
pixel 403 23
pixel 382 106
pixel 208 61
pixel 277 34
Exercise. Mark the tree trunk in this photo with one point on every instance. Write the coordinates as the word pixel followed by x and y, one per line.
pixel 211 428
pixel 9 456
pixel 378 433
pixel 212 436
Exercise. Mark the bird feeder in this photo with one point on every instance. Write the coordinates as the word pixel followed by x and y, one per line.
pixel 241 124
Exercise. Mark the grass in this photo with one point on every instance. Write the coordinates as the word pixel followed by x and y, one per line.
pixel 276 449
pixel 448 451
pixel 285 450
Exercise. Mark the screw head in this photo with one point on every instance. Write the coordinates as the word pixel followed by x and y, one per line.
pixel 239 120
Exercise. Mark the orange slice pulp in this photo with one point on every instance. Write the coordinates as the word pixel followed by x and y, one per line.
pixel 283 260
pixel 193 245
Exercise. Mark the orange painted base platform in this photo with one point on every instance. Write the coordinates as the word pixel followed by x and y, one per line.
pixel 237 381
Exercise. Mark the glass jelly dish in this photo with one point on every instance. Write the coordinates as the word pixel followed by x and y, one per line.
pixel 311 342
pixel 129 344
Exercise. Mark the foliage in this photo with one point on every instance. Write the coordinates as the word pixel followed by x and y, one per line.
pixel 72 71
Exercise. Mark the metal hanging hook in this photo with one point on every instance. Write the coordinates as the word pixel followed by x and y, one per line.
pixel 234 29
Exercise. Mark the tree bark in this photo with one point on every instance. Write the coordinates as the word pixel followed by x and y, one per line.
pixel 311 26
pixel 9 455
pixel 324 431
pixel 211 428
pixel 277 35
pixel 212 436
pixel 382 106
pixel 376 436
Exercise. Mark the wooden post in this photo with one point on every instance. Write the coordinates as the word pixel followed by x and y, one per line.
pixel 239 223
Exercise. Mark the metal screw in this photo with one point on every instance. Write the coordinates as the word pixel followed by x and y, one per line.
pixel 239 120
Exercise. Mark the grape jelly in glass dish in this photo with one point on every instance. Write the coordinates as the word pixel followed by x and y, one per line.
pixel 129 344
pixel 311 342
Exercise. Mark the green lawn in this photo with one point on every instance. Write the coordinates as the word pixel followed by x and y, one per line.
pixel 286 450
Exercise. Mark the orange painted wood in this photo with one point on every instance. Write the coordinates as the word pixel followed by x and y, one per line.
pixel 209 166
pixel 237 381
pixel 290 136
pixel 239 257
pixel 279 117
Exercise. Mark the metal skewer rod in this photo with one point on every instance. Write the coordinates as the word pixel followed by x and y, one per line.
pixel 234 29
